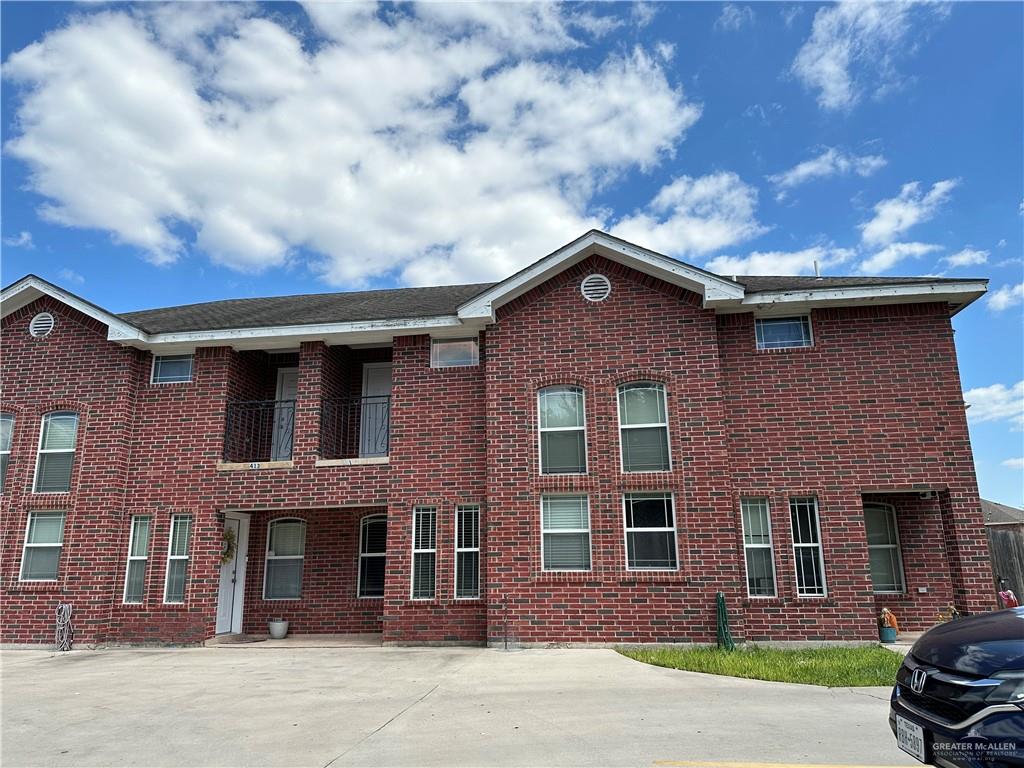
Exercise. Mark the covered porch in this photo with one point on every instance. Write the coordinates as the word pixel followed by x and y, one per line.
pixel 321 570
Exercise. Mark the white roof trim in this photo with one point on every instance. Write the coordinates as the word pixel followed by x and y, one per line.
pixel 711 287
pixel 30 288
pixel 960 293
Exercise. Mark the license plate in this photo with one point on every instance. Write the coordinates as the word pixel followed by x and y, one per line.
pixel 910 737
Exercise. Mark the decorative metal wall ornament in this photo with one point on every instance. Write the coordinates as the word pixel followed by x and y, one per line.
pixel 65 634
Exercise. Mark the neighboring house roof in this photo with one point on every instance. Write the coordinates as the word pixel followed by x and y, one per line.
pixel 1000 514
pixel 377 316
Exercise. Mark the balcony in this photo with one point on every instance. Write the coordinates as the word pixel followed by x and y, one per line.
pixel 259 431
pixel 355 427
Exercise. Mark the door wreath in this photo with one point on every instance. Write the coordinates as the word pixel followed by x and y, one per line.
pixel 229 545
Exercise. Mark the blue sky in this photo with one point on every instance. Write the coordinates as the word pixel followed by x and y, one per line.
pixel 156 155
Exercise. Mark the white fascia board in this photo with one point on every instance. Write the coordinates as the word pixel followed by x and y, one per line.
pixel 30 288
pixel 711 287
pixel 959 294
pixel 289 336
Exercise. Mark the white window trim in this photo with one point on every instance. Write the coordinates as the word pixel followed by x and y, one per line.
pixel 770 546
pixel 40 451
pixel 810 333
pixel 622 443
pixel 416 511
pixel 359 570
pixel 543 531
pixel 267 557
pixel 7 451
pixel 627 530
pixel 891 512
pixel 541 430
pixel 131 557
pixel 476 352
pixel 818 547
pixel 152 370
pixel 458 550
pixel 170 557
pixel 26 545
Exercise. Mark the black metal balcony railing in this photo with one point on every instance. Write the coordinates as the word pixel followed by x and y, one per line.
pixel 259 430
pixel 355 427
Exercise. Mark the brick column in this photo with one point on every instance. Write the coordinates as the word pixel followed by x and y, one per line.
pixel 967 551
pixel 307 401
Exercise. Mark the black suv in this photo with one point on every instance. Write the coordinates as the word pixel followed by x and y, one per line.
pixel 959 696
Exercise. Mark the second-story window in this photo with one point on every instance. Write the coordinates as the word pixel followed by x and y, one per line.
pixel 172 369
pixel 6 433
pixel 783 332
pixel 56 459
pixel 643 427
pixel 454 353
pixel 563 434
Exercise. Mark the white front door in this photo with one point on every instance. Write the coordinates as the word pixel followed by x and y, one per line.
pixel 374 413
pixel 284 414
pixel 232 575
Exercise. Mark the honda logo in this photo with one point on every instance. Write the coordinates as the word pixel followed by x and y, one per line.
pixel 917 680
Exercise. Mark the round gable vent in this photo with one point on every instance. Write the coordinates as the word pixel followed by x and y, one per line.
pixel 41 324
pixel 595 288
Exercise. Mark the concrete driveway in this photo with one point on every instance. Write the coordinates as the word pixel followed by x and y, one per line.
pixel 417 706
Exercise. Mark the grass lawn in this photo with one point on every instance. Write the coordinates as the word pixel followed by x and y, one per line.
pixel 831 667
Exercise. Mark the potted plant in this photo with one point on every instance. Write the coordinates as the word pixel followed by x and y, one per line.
pixel 888 626
pixel 277 628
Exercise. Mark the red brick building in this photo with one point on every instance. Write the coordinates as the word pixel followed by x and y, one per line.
pixel 587 451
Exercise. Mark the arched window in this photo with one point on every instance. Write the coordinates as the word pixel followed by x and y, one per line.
pixel 286 550
pixel 6 433
pixel 373 539
pixel 643 427
pixel 563 433
pixel 56 458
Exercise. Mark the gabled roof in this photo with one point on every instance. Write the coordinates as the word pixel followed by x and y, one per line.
pixel 710 286
pixel 453 310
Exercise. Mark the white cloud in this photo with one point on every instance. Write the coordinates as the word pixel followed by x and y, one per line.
pixel 21 240
pixel 966 257
pixel 896 215
pixel 694 216
pixel 893 254
pixel 853 47
pixel 1014 463
pixel 831 162
pixel 790 13
pixel 1007 296
pixel 780 262
pixel 441 143
pixel 734 17
pixel 70 276
pixel 997 403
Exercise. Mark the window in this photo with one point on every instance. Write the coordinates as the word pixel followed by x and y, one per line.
pixel 138 554
pixel 286 551
pixel 424 552
pixel 563 436
pixel 454 353
pixel 6 433
pixel 177 559
pixel 757 547
pixel 172 369
pixel 884 548
pixel 373 539
pixel 643 428
pixel 810 568
pixel 44 539
pixel 56 452
pixel 783 332
pixel 565 533
pixel 467 551
pixel 650 532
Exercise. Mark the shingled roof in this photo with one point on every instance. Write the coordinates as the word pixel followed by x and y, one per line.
pixel 399 303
